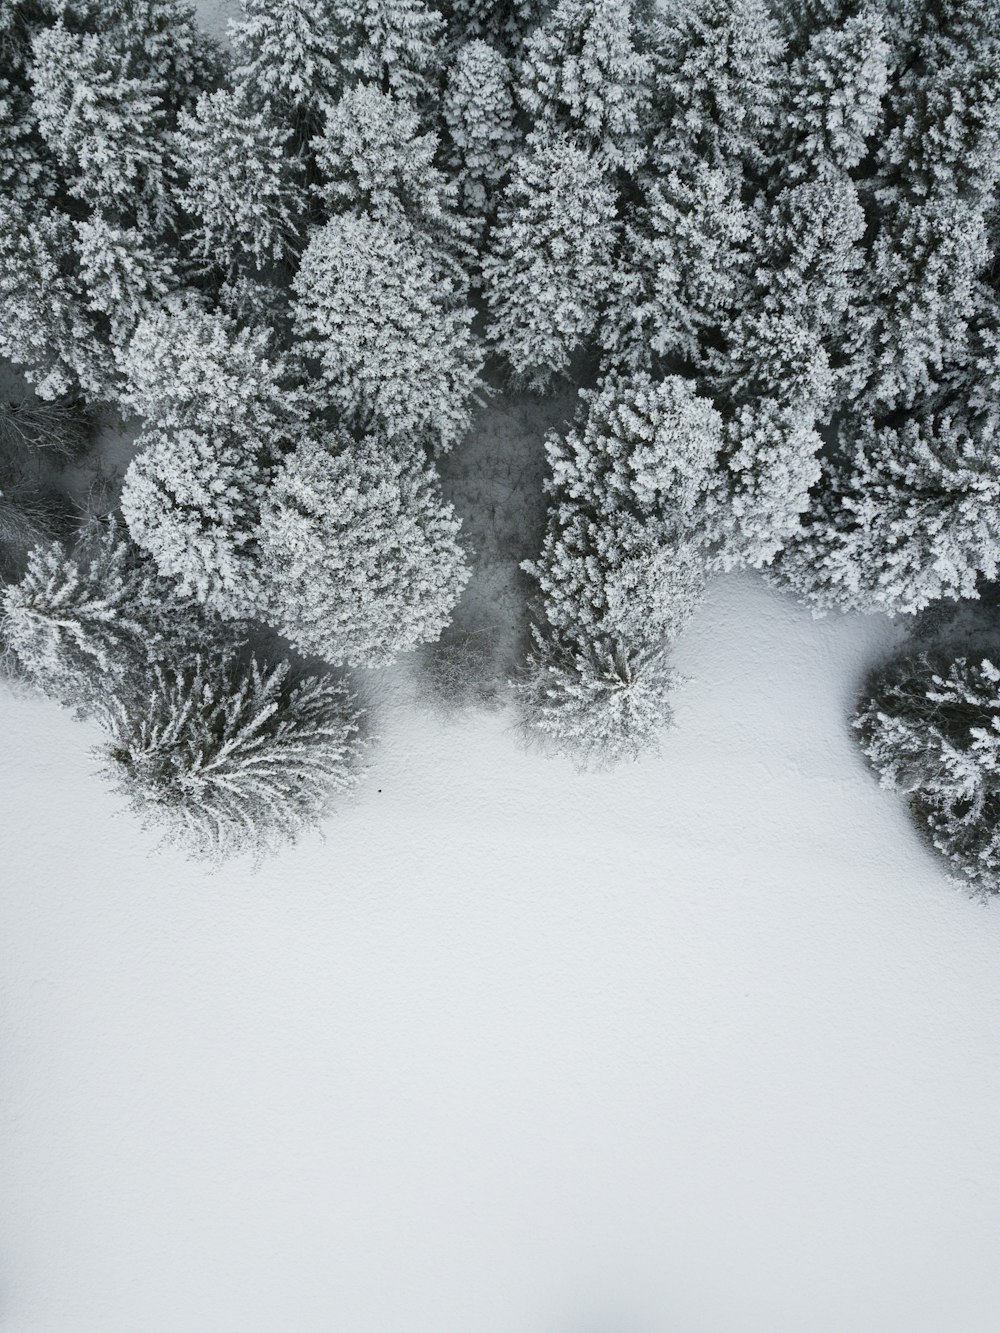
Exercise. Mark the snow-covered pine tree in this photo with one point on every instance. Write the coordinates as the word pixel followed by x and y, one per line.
pixel 835 94
pixel 582 73
pixel 225 758
pixel 185 365
pixel 505 24
pixel 550 259
pixel 46 327
pixel 479 112
pixel 358 552
pixel 717 71
pixel 395 44
pixel 243 186
pixel 191 499
pixel 686 270
pixel 287 57
pixel 80 621
pixel 905 515
pixel 623 562
pixel 123 275
pixel 106 127
pixel 930 727
pixel 27 171
pixel 374 158
pixel 219 412
pixel 387 330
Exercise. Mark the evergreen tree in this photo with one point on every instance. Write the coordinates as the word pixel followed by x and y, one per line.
pixel 191 499
pixel 45 326
pixel 287 56
pixel 931 729
pixel 105 126
pixel 549 263
pixel 506 24
pixel 687 271
pixel 386 329
pixel 396 44
pixel 622 566
pixel 219 414
pixel 911 515
pixel 226 758
pixel 358 552
pixel 122 274
pixel 243 188
pixel 479 112
pixel 836 91
pixel 82 621
pixel 581 73
pixel 373 157
pixel 717 70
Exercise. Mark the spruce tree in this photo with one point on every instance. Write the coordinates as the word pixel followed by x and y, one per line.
pixel 582 74
pixel 479 113
pixel 930 727
pixel 387 331
pixel 242 185
pixel 358 552
pixel 225 758
pixel 550 260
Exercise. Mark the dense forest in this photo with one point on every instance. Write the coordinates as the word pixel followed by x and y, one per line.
pixel 760 246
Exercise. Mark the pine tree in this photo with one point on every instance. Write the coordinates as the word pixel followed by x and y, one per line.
pixel 836 91
pixel 396 44
pixel 687 273
pixel 358 552
pixel 105 126
pixel 623 562
pixel 716 78
pixel 82 621
pixel 243 187
pixel 373 157
pixel 187 366
pixel 46 327
pixel 931 729
pixel 122 274
pixel 550 260
pixel 910 514
pixel 287 56
pixel 581 73
pixel 219 414
pixel 506 24
pixel 478 109
pixel 387 331
pixel 225 758
pixel 600 703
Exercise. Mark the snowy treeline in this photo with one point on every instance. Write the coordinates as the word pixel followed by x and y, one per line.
pixel 761 241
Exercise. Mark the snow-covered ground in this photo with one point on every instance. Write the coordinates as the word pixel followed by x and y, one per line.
pixel 707 1045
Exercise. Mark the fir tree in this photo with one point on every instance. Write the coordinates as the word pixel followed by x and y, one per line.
pixel 225 758
pixel 688 270
pixel 478 109
pixel 374 158
pixel 105 126
pixel 716 79
pixel 549 262
pixel 622 566
pixel 909 514
pixel 287 56
pixel 931 729
pixel 396 44
pixel 243 188
pixel 386 328
pixel 45 326
pixel 358 552
pixel 581 73
pixel 82 621
pixel 122 274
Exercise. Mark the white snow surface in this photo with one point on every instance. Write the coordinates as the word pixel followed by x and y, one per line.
pixel 705 1045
